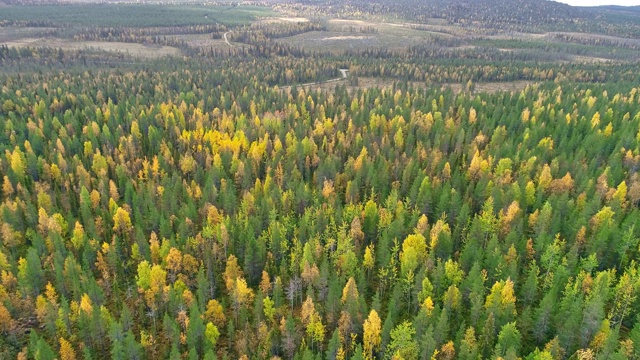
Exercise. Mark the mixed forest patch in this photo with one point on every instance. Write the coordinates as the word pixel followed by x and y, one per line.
pixel 319 180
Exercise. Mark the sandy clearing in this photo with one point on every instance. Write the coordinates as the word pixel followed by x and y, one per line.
pixel 347 21
pixel 277 20
pixel 294 19
pixel 590 59
pixel 347 37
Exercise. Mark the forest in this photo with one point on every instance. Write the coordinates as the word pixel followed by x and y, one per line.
pixel 337 186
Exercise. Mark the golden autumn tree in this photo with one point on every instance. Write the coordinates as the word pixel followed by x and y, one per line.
pixel 368 261
pixel 215 313
pixel 265 283
pixel 6 322
pixel 232 272
pixel 502 301
pixel 173 262
pixel 371 337
pixel 414 251
pixel 350 291
pixel 122 221
pixel 66 350
pixel 241 295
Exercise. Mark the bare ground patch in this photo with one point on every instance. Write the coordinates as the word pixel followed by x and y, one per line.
pixel 276 20
pixel 590 59
pixel 345 37
pixel 348 21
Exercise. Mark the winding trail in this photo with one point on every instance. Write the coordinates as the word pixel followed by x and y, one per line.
pixel 227 40
pixel 344 72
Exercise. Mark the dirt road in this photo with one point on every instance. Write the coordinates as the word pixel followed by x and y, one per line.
pixel 226 40
pixel 344 72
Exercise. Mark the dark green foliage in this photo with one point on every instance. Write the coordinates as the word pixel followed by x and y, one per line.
pixel 188 208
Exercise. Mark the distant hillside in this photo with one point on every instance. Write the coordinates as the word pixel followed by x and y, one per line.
pixel 485 11
pixel 624 12
pixel 499 11
pixel 628 9
pixel 502 15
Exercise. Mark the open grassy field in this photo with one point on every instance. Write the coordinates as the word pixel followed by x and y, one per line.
pixel 136 50
pixel 357 35
pixel 343 35
pixel 133 15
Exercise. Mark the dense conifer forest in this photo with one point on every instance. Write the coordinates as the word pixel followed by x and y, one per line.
pixel 465 191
